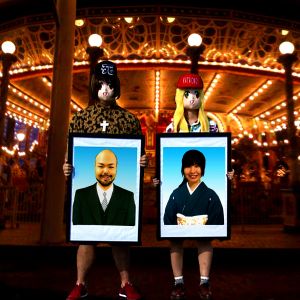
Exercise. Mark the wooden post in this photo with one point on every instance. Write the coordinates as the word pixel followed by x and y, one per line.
pixel 52 230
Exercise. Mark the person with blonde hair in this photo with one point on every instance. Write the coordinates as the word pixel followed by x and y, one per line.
pixel 189 115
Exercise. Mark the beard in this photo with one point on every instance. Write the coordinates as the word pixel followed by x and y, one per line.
pixel 105 182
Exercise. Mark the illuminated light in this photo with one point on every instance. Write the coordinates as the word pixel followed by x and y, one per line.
pixel 20 136
pixel 170 19
pixel 128 20
pixel 79 22
pixel 95 40
pixel 286 48
pixel 284 32
pixel 157 93
pixel 8 47
pixel 194 39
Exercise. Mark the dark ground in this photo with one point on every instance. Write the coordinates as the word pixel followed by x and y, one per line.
pixel 36 272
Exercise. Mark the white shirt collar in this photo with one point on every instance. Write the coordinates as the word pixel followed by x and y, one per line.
pixel 189 189
pixel 100 192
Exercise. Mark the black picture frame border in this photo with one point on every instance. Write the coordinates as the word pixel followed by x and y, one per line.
pixel 69 181
pixel 159 136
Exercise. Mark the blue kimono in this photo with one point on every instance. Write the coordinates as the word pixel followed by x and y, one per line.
pixel 203 201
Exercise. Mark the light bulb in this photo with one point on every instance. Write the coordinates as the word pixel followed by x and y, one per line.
pixel 95 40
pixel 286 48
pixel 8 47
pixel 194 39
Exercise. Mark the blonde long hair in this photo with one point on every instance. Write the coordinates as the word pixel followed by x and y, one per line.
pixel 179 121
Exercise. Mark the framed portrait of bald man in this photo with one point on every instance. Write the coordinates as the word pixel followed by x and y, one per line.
pixel 104 191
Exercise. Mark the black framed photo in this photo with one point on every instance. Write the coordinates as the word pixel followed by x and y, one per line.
pixel 104 191
pixel 194 189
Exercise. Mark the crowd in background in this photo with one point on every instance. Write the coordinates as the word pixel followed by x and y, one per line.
pixel 21 172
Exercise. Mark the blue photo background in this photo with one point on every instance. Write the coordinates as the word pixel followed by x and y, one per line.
pixel 84 162
pixel 215 171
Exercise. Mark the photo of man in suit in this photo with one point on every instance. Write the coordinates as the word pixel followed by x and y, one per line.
pixel 104 203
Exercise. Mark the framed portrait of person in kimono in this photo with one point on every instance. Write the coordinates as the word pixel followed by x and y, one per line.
pixel 194 189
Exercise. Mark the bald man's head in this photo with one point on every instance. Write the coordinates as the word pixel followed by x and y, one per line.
pixel 106 168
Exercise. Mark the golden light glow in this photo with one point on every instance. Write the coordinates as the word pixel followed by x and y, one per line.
pixel 284 32
pixel 194 39
pixel 211 87
pixel 8 47
pixel 262 89
pixel 157 93
pixel 129 20
pixel 95 40
pixel 79 22
pixel 286 47
pixel 170 19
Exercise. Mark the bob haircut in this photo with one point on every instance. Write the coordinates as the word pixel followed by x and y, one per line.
pixel 193 157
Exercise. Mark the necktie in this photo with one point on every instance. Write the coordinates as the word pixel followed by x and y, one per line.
pixel 104 202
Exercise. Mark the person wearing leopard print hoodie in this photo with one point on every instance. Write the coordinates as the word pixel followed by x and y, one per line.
pixel 104 116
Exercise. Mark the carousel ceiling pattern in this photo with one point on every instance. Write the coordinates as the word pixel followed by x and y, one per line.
pixel 244 83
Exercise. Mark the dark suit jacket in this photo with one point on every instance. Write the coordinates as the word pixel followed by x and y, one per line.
pixel 87 209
